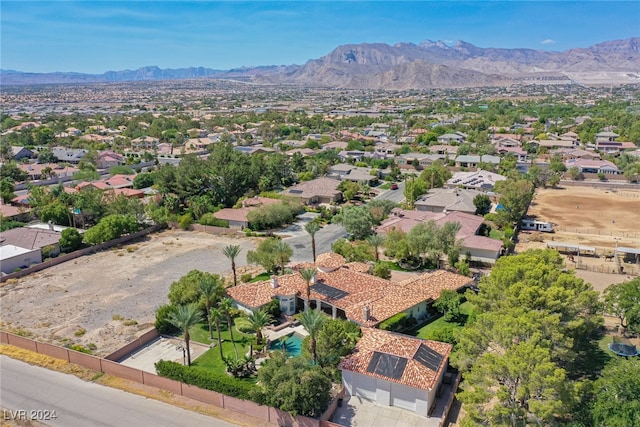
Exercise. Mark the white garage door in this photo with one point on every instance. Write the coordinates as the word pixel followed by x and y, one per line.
pixel 365 387
pixel 403 397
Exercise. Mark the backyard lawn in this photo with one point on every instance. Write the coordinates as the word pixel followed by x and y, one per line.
pixel 439 327
pixel 211 358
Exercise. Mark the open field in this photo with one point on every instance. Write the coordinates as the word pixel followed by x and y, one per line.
pixel 109 298
pixel 592 217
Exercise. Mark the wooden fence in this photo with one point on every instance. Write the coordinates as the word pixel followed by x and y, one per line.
pixel 246 407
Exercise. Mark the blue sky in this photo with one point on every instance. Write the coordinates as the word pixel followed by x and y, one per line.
pixel 98 36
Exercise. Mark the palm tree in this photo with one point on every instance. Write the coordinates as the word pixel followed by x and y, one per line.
pixel 258 320
pixel 376 240
pixel 313 320
pixel 232 252
pixel 184 317
pixel 211 289
pixel 283 253
pixel 225 306
pixel 308 274
pixel 215 316
pixel 312 228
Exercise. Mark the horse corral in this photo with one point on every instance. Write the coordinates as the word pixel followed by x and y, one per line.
pixel 591 226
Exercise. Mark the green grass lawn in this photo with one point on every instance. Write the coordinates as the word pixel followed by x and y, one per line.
pixel 211 358
pixel 496 234
pixel 393 266
pixel 260 277
pixel 385 186
pixel 439 325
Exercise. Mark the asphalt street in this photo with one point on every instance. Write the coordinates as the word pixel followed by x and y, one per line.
pixel 396 196
pixel 43 393
pixel 296 236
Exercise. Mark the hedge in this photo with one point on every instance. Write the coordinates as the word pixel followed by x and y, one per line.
pixel 398 322
pixel 204 378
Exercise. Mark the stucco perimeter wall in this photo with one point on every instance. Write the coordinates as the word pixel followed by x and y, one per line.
pixel 79 253
pixel 143 340
pixel 265 413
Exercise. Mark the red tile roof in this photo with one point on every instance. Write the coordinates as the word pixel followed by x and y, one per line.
pixel 383 297
pixel 415 373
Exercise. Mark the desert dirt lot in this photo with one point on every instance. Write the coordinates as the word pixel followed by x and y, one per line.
pixel 109 298
pixel 588 217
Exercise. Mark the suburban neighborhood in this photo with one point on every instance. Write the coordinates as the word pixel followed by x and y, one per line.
pixel 279 253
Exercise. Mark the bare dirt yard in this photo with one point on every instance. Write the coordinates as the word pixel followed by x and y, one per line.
pixel 109 298
pixel 593 217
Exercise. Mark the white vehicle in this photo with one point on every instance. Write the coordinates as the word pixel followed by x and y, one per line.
pixel 533 225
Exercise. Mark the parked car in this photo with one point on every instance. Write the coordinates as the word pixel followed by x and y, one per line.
pixel 394 186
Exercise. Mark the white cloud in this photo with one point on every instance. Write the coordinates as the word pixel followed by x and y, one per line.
pixel 548 41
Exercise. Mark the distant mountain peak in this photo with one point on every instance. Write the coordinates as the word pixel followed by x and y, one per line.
pixel 429 64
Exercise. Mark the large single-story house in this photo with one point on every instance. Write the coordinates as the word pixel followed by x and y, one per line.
pixel 238 217
pixel 396 370
pixel 474 160
pixel 480 248
pixel 319 190
pixel 479 180
pixel 348 291
pixel 448 199
pixel 593 166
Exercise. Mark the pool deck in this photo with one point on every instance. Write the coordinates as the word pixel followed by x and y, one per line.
pixel 274 335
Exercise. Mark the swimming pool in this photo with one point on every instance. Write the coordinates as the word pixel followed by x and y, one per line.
pixel 293 344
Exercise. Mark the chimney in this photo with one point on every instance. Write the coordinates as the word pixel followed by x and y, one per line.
pixel 50 225
pixel 366 313
pixel 315 279
pixel 274 282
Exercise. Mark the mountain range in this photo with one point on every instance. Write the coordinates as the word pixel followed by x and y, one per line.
pixel 403 66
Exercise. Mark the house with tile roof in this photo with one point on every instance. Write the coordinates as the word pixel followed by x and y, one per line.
pixel 238 217
pixel 448 199
pixel 396 370
pixel 481 249
pixel 479 180
pixel 316 191
pixel 347 291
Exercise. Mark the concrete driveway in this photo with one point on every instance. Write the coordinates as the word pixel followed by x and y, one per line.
pixel 357 412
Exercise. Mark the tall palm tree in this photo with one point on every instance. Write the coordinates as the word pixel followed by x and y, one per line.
pixel 312 228
pixel 225 306
pixel 283 253
pixel 215 316
pixel 232 252
pixel 258 320
pixel 308 275
pixel 184 317
pixel 376 240
pixel 211 289
pixel 313 320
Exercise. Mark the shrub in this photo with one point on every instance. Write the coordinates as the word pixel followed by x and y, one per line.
pixel 185 221
pixel 382 270
pixel 209 219
pixel 204 378
pixel 243 325
pixel 244 278
pixel 162 323
pixel 80 348
pixel 70 239
pixel 395 323
pixel 273 308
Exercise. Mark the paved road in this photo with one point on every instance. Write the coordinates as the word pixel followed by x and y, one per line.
pixel 80 403
pixel 296 236
pixel 396 196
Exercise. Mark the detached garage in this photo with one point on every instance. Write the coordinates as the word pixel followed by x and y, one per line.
pixel 396 370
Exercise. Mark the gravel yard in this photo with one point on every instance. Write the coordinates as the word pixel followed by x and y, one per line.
pixel 109 298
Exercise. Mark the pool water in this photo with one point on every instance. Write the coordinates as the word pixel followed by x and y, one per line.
pixel 293 345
